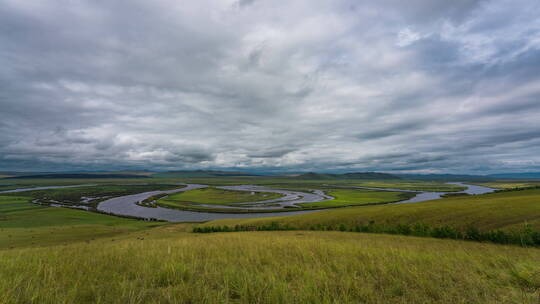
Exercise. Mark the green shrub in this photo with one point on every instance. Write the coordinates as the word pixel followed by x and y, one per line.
pixel 526 236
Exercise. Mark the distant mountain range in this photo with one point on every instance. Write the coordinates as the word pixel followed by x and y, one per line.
pixel 202 173
pixel 354 175
pixel 78 175
pixel 462 177
pixel 446 177
pixel 529 175
pixel 124 174
pixel 305 176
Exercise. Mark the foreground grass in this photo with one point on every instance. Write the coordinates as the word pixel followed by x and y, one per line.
pixel 166 266
pixel 25 224
pixel 505 210
pixel 356 197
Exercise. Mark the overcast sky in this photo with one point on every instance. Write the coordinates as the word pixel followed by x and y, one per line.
pixel 299 85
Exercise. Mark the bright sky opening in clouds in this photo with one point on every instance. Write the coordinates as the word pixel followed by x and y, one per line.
pixel 430 86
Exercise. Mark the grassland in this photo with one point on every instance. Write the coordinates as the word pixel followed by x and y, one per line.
pixel 505 210
pixel 356 197
pixel 195 200
pixel 25 224
pixel 215 196
pixel 166 265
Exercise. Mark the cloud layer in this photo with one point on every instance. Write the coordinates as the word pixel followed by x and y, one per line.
pixel 431 86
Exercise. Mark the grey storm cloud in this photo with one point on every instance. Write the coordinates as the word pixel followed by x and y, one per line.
pixel 426 86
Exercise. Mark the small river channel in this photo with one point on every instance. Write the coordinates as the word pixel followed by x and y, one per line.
pixel 422 196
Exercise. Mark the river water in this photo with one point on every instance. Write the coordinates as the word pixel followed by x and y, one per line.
pixel 126 205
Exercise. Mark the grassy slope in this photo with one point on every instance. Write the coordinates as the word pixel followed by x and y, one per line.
pixel 23 223
pixel 214 196
pixel 350 197
pixel 167 266
pixel 505 210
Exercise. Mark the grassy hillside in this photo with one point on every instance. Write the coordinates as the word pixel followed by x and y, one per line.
pixel 164 265
pixel 506 210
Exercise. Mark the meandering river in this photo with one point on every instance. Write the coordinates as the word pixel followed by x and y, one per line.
pixel 127 205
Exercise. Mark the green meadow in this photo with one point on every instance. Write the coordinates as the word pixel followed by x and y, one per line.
pixel 25 224
pixel 215 196
pixel 355 197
